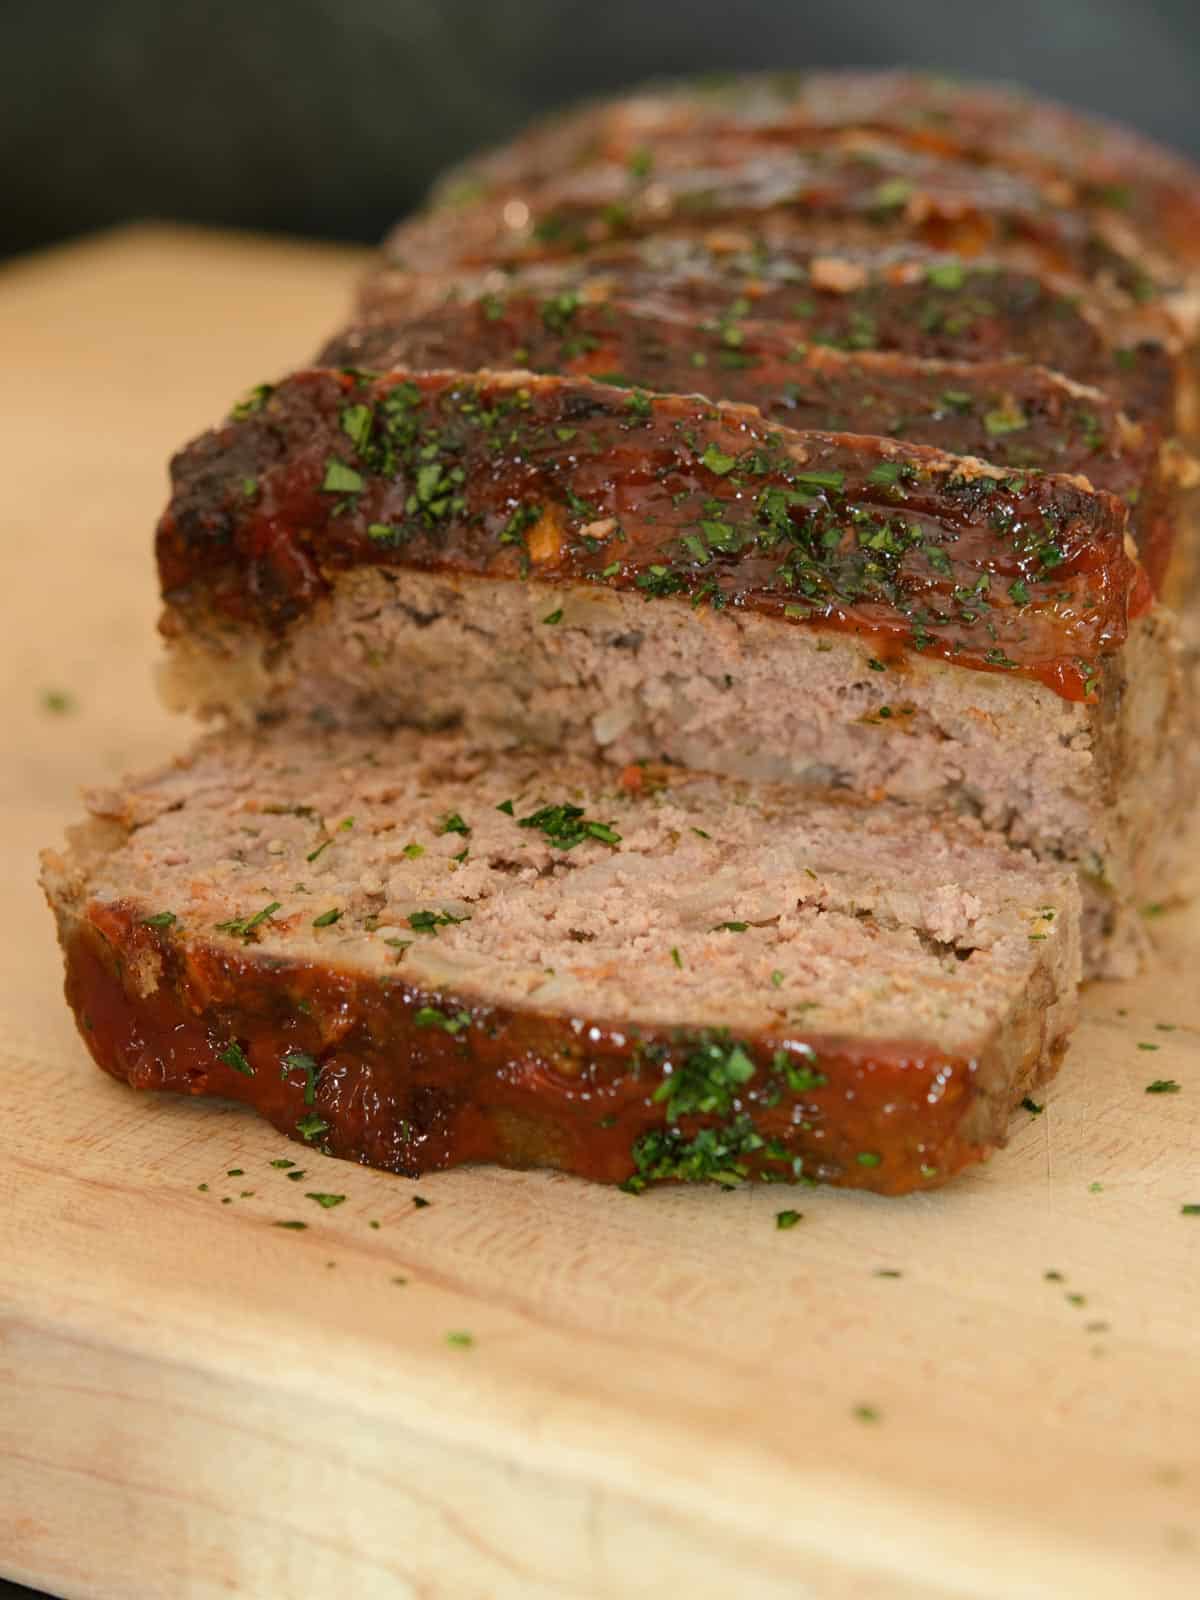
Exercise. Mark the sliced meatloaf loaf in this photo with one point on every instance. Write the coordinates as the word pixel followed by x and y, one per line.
pixel 579 566
pixel 413 953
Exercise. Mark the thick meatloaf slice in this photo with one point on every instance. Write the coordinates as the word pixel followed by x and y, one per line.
pixel 899 298
pixel 412 953
pixel 890 193
pixel 1015 414
pixel 660 578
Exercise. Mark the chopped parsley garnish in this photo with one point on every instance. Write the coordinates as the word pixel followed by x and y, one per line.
pixel 58 701
pixel 506 806
pixel 460 1339
pixel 301 1061
pixel 413 852
pixel 717 461
pixel 311 1127
pixel 453 823
pixel 420 1202
pixel 234 1056
pixel 283 1162
pixel 1029 1104
pixel 707 1080
pixel 254 401
pixel 325 1201
pixel 431 921
pixel 1005 419
pixel 787 1219
pixel 729 927
pixel 327 918
pixel 296 1227
pixel 160 919
pixel 566 826
pixel 245 927
pixel 868 1158
pixel 776 979
pixel 676 957
pixel 946 275
pixel 1163 1086
pixel 887 1272
pixel 1142 1046
pixel 356 424
pixel 552 617
pixel 639 403
pixel 1191 1209
pixel 341 479
pixel 819 480
pixel 431 1017
pixel 866 1414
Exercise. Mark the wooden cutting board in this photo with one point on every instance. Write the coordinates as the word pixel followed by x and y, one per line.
pixel 661 1395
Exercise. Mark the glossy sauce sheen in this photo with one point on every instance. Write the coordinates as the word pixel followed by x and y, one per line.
pixel 524 1089
pixel 911 302
pixel 671 498
pixel 894 192
pixel 1013 414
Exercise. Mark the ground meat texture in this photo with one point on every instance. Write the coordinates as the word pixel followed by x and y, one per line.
pixel 414 954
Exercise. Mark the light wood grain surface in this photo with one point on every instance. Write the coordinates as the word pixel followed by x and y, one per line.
pixel 662 1394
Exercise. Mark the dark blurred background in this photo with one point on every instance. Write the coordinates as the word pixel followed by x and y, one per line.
pixel 329 117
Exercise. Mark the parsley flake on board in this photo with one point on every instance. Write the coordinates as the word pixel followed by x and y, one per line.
pixel 1163 1086
pixel 460 1339
pixel 296 1227
pixel 787 1219
pixel 1031 1105
pixel 327 918
pixel 325 1201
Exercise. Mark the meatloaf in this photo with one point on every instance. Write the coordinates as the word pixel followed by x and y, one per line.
pixel 413 953
pixel 580 566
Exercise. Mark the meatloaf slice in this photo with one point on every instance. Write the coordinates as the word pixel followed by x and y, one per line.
pixel 1083 159
pixel 888 192
pixel 1017 414
pixel 578 566
pixel 412 953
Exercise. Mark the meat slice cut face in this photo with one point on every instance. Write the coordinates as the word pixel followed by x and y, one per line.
pixel 413 953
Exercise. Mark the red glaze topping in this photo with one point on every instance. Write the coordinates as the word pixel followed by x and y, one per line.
pixel 377 1082
pixel 1012 413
